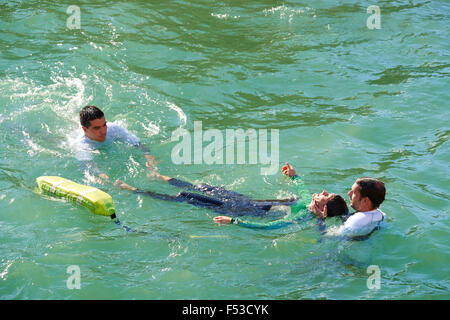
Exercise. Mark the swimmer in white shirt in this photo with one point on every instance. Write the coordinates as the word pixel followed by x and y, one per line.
pixel 366 196
pixel 96 133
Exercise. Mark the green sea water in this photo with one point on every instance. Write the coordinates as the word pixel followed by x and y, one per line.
pixel 348 101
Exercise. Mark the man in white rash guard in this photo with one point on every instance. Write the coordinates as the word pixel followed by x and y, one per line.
pixel 96 133
pixel 366 196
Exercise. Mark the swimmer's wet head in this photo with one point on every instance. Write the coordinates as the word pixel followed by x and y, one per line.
pixel 93 123
pixel 327 204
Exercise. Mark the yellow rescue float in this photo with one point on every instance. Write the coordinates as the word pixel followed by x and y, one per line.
pixel 94 199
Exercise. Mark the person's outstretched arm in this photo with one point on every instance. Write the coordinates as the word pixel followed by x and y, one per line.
pixel 250 224
pixel 130 138
pixel 89 167
pixel 151 160
pixel 302 191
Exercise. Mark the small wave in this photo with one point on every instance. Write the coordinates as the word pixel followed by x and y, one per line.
pixel 4 273
pixel 35 148
pixel 236 182
pixel 151 128
pixel 63 95
pixel 289 13
pixel 223 16
pixel 181 115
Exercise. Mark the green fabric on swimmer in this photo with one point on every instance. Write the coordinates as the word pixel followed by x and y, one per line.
pixel 298 211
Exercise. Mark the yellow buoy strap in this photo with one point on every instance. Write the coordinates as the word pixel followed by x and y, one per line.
pixel 55 185
pixel 81 195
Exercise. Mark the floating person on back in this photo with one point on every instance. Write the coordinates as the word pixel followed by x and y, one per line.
pixel 232 203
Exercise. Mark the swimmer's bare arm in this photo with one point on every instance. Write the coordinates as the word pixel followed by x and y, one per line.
pixel 302 190
pixel 103 176
pixel 151 160
pixel 91 166
pixel 288 170
pixel 123 185
pixel 156 173
pixel 222 220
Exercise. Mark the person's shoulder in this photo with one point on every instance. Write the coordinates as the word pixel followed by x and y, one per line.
pixel 119 132
pixel 362 219
pixel 115 130
pixel 114 126
pixel 356 216
pixel 355 220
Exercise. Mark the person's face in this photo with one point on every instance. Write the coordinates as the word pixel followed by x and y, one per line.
pixel 97 130
pixel 318 202
pixel 355 197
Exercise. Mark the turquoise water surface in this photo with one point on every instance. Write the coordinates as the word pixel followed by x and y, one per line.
pixel 348 101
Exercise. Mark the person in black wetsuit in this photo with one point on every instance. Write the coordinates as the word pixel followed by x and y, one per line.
pixel 217 199
pixel 235 204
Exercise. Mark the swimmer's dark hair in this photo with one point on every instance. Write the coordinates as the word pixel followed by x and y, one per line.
pixel 373 189
pixel 89 113
pixel 336 206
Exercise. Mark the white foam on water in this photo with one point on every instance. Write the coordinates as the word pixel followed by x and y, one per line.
pixel 65 86
pixel 288 13
pixel 5 272
pixel 237 182
pixel 223 16
pixel 65 96
pixel 133 167
pixel 181 115
pixel 151 128
pixel 35 148
pixel 46 95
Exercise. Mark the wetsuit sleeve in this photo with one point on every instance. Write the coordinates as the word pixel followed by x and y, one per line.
pixel 303 194
pixel 296 210
pixel 258 225
pixel 123 134
pixel 180 183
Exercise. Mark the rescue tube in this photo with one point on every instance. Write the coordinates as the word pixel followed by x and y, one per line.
pixel 94 199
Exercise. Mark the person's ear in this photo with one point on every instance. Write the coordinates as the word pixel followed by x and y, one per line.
pixel 367 201
pixel 84 128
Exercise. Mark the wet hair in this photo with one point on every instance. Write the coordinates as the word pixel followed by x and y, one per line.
pixel 89 113
pixel 373 189
pixel 336 206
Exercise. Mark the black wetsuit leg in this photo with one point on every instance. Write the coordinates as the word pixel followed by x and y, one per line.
pixel 232 203
pixel 220 192
pixel 224 194
pixel 193 198
pixel 231 206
